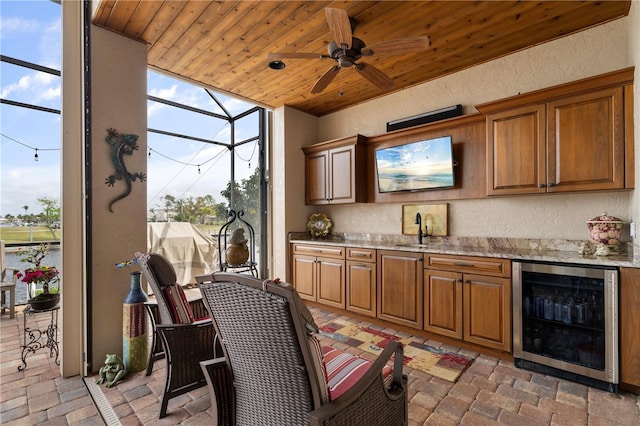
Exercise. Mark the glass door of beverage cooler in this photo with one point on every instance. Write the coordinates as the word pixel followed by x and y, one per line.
pixel 565 317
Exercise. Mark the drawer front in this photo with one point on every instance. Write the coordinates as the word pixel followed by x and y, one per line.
pixel 322 251
pixel 477 265
pixel 360 254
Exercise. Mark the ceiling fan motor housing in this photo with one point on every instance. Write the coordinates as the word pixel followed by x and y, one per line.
pixel 346 57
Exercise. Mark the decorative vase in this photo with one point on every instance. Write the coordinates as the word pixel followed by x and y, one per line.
pixel 237 254
pixel 134 327
pixel 136 294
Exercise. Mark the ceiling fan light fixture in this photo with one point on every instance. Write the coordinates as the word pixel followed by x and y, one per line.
pixel 276 65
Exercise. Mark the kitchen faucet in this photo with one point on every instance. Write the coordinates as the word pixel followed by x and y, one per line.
pixel 419 223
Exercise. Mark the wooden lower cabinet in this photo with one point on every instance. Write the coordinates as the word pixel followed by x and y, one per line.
pixel 304 276
pixel 361 279
pixel 487 311
pixel 330 288
pixel 474 307
pixel 443 303
pixel 630 326
pixel 400 287
pixel 319 278
pixel 461 297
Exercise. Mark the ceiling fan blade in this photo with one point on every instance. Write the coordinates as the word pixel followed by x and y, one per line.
pixel 339 26
pixel 326 78
pixel 398 46
pixel 374 75
pixel 283 55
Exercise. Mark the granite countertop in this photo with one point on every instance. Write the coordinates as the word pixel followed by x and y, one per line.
pixel 562 251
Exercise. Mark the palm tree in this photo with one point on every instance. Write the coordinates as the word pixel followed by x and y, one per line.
pixel 25 211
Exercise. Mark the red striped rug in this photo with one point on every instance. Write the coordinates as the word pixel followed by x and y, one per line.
pixel 437 362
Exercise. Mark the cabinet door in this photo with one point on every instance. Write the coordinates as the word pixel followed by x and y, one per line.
pixel 586 142
pixel 342 175
pixel 330 276
pixel 443 303
pixel 516 151
pixel 400 287
pixel 487 311
pixel 304 276
pixel 317 189
pixel 361 287
pixel 629 326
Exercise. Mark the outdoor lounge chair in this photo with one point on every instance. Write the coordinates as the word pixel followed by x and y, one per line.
pixel 186 340
pixel 7 285
pixel 278 368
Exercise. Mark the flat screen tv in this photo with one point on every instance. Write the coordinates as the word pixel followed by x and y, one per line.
pixel 416 166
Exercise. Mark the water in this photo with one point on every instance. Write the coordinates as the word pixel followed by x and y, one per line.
pixel 53 258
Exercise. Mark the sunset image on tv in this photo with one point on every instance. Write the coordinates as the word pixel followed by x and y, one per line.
pixel 416 166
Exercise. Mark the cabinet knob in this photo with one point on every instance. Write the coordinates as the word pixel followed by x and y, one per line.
pixel 552 184
pixel 542 185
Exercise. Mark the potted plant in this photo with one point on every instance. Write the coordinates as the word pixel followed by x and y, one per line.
pixel 39 275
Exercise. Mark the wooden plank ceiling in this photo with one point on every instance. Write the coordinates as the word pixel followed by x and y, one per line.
pixel 224 44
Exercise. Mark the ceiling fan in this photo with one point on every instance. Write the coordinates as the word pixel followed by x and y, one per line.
pixel 346 50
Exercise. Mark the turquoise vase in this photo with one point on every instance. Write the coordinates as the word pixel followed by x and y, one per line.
pixel 134 327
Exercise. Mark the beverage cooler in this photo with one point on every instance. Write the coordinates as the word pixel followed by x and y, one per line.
pixel 565 322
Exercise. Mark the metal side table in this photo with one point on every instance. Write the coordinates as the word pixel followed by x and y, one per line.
pixel 35 339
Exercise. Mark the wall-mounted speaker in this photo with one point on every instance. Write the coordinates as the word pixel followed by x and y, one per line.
pixel 427 117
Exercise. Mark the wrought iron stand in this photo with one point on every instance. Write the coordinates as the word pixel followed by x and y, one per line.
pixel 250 265
pixel 36 339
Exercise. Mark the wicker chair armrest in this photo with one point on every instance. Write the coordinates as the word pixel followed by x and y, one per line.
pixel 220 384
pixel 198 308
pixel 194 341
pixel 371 400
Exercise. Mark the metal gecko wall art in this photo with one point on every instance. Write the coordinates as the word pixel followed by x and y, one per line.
pixel 121 145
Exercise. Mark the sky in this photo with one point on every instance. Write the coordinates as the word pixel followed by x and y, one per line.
pixel 31 31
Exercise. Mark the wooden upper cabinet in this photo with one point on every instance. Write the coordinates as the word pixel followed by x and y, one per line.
pixel 516 151
pixel 316 166
pixel 567 138
pixel 336 171
pixel 586 142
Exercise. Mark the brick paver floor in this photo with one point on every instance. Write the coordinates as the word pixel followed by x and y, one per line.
pixel 490 392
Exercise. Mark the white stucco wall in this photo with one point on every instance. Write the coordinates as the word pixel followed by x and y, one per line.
pixel 118 100
pixel 595 51
pixel 287 181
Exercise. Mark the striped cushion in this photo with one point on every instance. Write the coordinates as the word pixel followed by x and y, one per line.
pixel 318 362
pixel 178 305
pixel 344 369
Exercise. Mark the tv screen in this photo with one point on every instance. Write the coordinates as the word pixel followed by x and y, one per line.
pixel 416 166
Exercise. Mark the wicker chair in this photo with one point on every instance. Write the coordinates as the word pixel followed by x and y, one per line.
pixel 279 376
pixel 184 344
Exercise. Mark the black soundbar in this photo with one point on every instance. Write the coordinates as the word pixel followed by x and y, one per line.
pixel 427 117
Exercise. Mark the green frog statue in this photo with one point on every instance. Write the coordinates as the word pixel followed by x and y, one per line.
pixel 112 371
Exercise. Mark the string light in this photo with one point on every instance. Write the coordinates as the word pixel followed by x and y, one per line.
pixel 182 162
pixel 35 157
pixel 255 145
